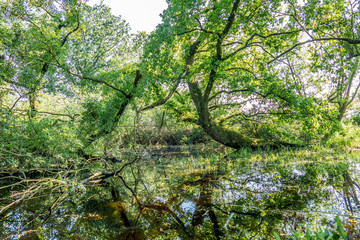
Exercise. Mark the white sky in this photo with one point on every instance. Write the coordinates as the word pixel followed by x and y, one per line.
pixel 142 15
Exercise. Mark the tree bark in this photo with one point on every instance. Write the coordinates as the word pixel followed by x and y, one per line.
pixel 220 134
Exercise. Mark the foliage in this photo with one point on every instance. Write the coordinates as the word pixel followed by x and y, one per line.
pixel 246 79
pixel 356 118
pixel 320 235
pixel 43 135
pixel 88 111
pixel 347 137
pixel 242 69
pixel 160 128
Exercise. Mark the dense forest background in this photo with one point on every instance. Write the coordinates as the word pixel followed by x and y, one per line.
pixel 77 88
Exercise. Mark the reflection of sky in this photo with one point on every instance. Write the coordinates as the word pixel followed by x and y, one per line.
pixel 298 172
pixel 160 199
pixel 261 184
pixel 188 206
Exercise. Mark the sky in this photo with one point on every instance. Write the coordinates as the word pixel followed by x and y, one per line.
pixel 142 15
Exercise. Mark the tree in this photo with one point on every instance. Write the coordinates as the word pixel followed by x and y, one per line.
pixel 33 35
pixel 236 59
pixel 71 49
pixel 333 64
pixel 103 63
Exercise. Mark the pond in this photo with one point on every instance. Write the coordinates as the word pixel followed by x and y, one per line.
pixel 184 193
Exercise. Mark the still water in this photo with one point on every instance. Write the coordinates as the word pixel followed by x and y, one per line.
pixel 185 194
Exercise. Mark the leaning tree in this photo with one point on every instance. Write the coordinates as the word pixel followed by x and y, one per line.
pixel 251 68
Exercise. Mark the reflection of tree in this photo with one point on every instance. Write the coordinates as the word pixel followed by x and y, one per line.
pixel 131 230
pixel 22 190
pixel 279 197
pixel 204 204
pixel 137 201
pixel 350 195
pixel 352 204
pixel 164 208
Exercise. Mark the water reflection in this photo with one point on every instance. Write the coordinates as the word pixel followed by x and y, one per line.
pixel 185 196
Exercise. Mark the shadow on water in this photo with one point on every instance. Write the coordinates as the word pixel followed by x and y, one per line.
pixel 180 195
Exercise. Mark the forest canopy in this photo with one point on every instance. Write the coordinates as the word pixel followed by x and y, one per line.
pixel 249 73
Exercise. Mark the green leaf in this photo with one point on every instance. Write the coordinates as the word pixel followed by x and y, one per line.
pixel 277 236
pixel 340 228
pixel 320 236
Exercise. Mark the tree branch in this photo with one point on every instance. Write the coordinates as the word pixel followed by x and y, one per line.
pixel 164 100
pixel 248 42
pixel 348 40
pixel 69 33
pixel 220 40
pixel 228 92
pixel 99 81
pixel 50 113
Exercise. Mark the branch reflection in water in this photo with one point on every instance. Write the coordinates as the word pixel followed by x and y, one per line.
pixel 182 194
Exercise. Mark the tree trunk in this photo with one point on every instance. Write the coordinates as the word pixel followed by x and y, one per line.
pixel 220 134
pixel 119 112
pixel 32 103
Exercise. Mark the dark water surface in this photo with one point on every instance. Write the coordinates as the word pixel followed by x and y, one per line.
pixel 181 194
